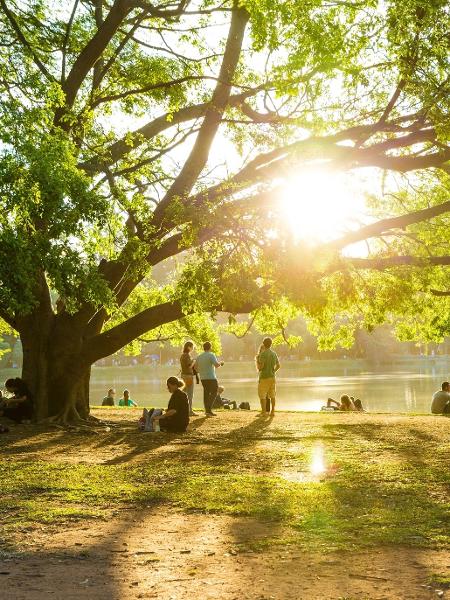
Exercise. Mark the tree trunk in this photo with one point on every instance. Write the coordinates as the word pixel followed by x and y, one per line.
pixel 54 369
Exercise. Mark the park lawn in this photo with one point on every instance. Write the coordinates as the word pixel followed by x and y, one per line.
pixel 325 481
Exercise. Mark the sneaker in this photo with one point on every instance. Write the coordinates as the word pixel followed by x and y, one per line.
pixel 210 414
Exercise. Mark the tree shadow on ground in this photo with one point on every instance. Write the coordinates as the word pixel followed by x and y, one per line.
pixel 141 445
pixel 144 554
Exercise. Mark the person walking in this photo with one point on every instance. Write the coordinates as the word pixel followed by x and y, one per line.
pixel 268 364
pixel 188 373
pixel 206 364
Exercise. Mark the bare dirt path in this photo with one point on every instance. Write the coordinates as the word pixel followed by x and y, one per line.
pixel 174 556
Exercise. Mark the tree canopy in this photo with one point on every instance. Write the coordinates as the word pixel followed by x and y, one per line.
pixel 135 131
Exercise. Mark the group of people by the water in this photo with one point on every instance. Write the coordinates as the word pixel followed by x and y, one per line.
pixel 110 399
pixel 17 405
pixel 203 368
pixel 346 404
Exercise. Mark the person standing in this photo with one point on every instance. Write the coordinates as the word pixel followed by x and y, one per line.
pixel 187 373
pixel 206 364
pixel 440 405
pixel 268 364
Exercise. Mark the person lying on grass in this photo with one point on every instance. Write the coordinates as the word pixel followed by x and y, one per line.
pixel 19 405
pixel 345 404
pixel 176 417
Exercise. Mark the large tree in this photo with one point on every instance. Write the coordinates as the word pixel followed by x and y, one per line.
pixel 134 131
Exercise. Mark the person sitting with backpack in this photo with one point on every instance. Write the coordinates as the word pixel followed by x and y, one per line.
pixel 221 402
pixel 176 417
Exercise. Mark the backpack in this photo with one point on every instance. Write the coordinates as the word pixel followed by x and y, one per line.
pixel 244 405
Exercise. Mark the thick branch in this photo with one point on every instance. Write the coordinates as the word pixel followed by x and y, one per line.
pixel 380 264
pixel 213 116
pixel 93 50
pixel 386 225
pixel 119 336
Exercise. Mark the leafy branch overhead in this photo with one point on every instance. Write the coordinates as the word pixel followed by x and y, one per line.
pixel 134 132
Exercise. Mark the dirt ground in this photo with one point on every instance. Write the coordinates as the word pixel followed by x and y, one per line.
pixel 174 556
pixel 169 554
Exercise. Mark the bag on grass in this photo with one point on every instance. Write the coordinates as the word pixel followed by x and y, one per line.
pixel 244 405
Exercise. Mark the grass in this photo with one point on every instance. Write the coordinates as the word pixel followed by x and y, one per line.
pixel 385 480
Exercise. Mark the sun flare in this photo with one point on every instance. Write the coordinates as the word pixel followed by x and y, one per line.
pixel 321 205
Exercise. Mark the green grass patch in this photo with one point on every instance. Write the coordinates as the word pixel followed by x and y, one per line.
pixel 381 485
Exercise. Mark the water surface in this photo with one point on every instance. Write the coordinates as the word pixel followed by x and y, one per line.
pixel 406 386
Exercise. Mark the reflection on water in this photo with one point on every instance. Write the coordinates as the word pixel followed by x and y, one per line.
pixel 300 386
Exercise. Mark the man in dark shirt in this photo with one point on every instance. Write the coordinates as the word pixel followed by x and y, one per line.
pixel 109 399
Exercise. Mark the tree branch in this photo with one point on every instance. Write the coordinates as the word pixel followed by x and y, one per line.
pixel 66 40
pixel 134 139
pixel 386 225
pixel 200 151
pixel 380 264
pixel 23 40
pixel 92 52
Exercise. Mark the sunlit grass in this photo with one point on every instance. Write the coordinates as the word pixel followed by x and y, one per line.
pixel 359 484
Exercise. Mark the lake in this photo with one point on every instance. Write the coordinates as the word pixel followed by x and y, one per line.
pixel 404 386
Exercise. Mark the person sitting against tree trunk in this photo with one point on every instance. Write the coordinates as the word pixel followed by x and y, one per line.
pixel 109 399
pixel 176 417
pixel 126 400
pixel 19 406
pixel 3 428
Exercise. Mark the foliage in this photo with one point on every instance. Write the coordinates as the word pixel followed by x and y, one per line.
pixel 136 132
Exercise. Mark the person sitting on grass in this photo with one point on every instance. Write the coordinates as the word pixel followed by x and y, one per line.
pixel 19 406
pixel 126 400
pixel 176 417
pixel 345 404
pixel 221 402
pixel 440 404
pixel 357 404
pixel 109 399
